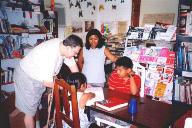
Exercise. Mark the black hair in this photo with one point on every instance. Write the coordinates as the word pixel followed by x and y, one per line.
pixel 124 61
pixel 77 79
pixel 97 33
pixel 73 41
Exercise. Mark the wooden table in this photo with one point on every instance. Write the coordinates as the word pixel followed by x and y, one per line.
pixel 150 113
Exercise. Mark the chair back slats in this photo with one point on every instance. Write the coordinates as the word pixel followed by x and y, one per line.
pixel 62 91
pixel 66 102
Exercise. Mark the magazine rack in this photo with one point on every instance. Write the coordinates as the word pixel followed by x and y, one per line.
pixel 157 76
pixel 140 70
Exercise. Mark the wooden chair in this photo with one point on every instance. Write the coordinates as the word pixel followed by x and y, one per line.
pixel 66 95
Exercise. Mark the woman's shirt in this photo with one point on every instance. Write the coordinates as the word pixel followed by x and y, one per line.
pixel 93 67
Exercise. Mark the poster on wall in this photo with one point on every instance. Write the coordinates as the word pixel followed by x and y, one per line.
pixel 122 27
pixel 67 31
pixel 77 26
pixel 166 18
pixel 89 25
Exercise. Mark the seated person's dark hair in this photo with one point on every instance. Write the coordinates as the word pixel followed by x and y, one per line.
pixel 64 72
pixel 76 79
pixel 125 62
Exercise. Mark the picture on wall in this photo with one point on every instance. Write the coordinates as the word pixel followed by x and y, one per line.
pixel 89 25
pixel 77 26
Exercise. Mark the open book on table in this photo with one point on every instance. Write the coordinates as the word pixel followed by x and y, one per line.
pixel 99 96
pixel 112 103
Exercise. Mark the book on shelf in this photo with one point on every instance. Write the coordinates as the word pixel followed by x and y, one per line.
pixel 112 103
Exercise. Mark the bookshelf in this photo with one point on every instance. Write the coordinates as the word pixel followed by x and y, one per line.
pixel 183 69
pixel 184 17
pixel 23 25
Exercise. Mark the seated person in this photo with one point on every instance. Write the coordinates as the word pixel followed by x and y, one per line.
pixel 80 82
pixel 123 78
pixel 64 72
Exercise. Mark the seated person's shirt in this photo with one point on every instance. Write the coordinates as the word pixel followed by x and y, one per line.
pixel 119 84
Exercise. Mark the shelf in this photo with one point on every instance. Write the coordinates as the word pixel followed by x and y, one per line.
pixel 2 84
pixel 8 87
pixel 183 38
pixel 24 32
pixel 187 74
pixel 183 73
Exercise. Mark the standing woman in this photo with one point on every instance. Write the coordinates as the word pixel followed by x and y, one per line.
pixel 92 58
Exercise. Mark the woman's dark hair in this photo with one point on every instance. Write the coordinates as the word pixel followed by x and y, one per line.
pixel 124 61
pixel 77 79
pixel 97 33
pixel 73 41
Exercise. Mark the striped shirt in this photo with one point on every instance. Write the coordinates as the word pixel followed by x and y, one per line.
pixel 121 85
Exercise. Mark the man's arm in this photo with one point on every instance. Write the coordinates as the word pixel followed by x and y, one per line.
pixel 48 84
pixel 71 64
pixel 74 68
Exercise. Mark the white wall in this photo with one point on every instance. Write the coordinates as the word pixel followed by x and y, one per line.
pixel 122 12
pixel 159 6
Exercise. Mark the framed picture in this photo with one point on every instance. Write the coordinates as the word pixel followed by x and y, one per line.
pixel 77 27
pixel 89 25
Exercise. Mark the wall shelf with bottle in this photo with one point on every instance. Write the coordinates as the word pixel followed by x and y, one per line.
pixel 184 22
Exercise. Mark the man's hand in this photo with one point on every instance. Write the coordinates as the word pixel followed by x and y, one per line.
pixel 48 84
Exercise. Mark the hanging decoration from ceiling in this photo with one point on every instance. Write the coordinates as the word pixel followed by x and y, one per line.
pixel 122 1
pixel 114 7
pixel 70 4
pixel 80 13
pixel 78 4
pixel 101 7
pixel 94 7
pixel 89 4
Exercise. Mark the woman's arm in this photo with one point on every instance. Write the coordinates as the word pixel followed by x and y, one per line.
pixel 80 60
pixel 84 98
pixel 109 55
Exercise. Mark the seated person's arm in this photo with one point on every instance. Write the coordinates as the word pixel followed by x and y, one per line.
pixel 84 98
pixel 134 88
